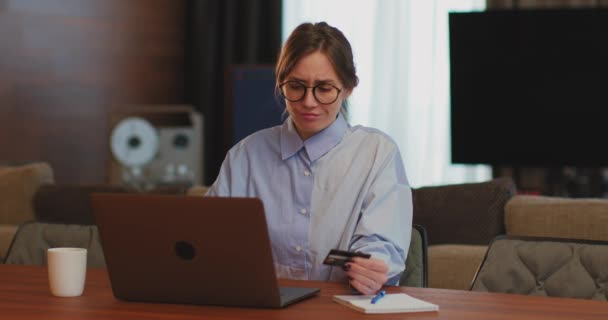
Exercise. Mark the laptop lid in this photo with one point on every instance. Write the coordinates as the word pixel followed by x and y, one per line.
pixel 190 250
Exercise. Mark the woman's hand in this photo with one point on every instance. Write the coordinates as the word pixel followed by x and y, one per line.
pixel 366 275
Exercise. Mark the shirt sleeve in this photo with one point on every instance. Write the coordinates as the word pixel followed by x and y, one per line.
pixel 231 180
pixel 385 226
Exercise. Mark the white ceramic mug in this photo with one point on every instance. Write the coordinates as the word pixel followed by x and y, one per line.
pixel 67 268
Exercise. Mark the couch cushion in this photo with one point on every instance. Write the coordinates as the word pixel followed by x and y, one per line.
pixel 454 266
pixel 554 217
pixel 546 267
pixel 471 213
pixel 18 185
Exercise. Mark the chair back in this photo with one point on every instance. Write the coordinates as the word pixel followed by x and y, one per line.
pixel 552 267
pixel 33 239
pixel 416 265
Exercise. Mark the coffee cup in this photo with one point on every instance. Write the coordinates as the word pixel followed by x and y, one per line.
pixel 67 268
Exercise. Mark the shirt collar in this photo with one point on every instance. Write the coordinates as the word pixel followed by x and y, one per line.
pixel 317 145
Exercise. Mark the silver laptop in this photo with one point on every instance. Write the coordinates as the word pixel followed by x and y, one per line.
pixel 190 250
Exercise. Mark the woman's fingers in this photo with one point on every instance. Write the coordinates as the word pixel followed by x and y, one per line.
pixel 372 264
pixel 367 275
pixel 373 269
pixel 363 288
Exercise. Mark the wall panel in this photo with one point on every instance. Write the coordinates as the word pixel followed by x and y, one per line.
pixel 65 63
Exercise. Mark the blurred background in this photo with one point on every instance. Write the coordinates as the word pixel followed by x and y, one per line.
pixel 199 73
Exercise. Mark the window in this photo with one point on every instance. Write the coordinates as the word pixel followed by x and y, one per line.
pixel 401 54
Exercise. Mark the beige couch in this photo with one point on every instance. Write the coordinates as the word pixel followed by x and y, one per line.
pixel 18 185
pixel 454 266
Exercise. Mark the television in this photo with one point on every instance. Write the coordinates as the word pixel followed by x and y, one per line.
pixel 529 87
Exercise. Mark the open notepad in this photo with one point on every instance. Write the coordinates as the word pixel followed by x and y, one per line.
pixel 391 303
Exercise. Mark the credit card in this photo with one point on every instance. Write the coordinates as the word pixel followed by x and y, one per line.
pixel 337 257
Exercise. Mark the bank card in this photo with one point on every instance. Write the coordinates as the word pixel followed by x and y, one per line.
pixel 337 257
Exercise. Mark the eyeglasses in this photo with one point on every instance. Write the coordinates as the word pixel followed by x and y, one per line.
pixel 295 91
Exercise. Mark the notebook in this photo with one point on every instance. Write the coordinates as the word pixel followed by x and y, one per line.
pixel 391 303
pixel 190 250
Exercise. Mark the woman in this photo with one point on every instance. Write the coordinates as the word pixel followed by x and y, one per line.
pixel 324 184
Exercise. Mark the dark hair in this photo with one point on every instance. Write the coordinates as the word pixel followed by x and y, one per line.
pixel 308 38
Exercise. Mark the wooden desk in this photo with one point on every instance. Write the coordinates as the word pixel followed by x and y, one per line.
pixel 24 294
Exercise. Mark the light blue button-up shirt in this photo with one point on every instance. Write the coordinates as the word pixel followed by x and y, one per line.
pixel 345 188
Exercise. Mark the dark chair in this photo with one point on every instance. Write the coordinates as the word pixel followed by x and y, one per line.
pixel 33 239
pixel 552 267
pixel 416 266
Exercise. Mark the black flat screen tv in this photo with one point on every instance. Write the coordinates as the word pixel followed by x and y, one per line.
pixel 529 87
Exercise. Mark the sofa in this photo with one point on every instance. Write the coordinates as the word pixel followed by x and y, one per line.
pixel 460 226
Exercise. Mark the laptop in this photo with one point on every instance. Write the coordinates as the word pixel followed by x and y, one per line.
pixel 190 250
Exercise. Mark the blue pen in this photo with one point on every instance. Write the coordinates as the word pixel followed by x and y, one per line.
pixel 378 296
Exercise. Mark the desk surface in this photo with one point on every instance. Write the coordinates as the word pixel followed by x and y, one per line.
pixel 24 294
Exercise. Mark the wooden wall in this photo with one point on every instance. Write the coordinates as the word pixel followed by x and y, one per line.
pixel 65 63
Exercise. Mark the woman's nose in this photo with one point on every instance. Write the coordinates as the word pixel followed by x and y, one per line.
pixel 309 98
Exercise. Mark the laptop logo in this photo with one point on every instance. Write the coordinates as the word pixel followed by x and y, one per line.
pixel 185 250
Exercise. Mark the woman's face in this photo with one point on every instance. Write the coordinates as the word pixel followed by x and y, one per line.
pixel 309 115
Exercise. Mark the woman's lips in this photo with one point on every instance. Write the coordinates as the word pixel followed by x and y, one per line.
pixel 309 116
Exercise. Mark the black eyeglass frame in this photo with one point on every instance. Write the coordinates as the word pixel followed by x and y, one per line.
pixel 314 91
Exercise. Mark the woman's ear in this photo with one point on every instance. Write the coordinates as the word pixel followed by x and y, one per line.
pixel 346 93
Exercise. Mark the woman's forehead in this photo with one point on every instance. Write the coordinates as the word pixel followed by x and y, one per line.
pixel 314 66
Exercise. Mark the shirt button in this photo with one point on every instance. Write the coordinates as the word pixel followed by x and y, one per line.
pixel 303 211
pixel 298 248
pixel 307 173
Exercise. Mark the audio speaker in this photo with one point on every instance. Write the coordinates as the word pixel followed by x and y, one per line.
pixel 156 146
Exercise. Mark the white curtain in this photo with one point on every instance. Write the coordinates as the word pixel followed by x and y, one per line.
pixel 401 54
